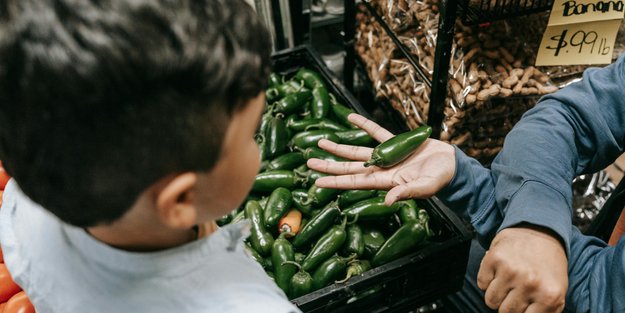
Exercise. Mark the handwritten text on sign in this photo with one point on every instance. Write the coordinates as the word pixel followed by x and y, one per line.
pixel 582 11
pixel 585 43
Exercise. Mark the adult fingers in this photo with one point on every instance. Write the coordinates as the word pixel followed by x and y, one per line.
pixel 515 302
pixel 376 131
pixel 338 168
pixel 496 292
pixel 422 187
pixel 356 181
pixel 486 272
pixel 355 153
pixel 539 308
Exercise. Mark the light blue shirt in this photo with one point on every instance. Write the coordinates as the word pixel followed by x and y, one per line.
pixel 63 269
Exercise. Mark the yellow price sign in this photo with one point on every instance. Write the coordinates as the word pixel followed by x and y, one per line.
pixel 582 11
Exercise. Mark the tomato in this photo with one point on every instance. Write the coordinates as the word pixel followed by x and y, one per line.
pixel 4 177
pixel 8 287
pixel 19 303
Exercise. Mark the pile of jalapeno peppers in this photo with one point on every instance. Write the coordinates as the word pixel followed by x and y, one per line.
pixel 304 236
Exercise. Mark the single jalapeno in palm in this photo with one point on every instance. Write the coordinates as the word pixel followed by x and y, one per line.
pixel 320 106
pixel 276 137
pixel 356 268
pixel 281 254
pixel 329 271
pixel 402 242
pixel 341 112
pixel 310 138
pixel 399 147
pixel 317 225
pixel 325 247
pixel 278 205
pixel 270 180
pixel 350 197
pixel 354 244
pixel 318 153
pixel 286 161
pixel 373 208
pixel 292 103
pixel 260 239
pixel 356 137
pixel 311 78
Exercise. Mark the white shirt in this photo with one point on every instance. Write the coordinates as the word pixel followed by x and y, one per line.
pixel 63 269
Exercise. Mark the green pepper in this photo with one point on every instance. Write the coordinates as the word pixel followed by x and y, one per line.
pixel 350 197
pixel 317 225
pixel 326 246
pixel 402 242
pixel 399 147
pixel 308 176
pixel 275 79
pixel 279 203
pixel 260 239
pixel 318 196
pixel 299 257
pixel 310 138
pixel 226 219
pixel 318 153
pixel 301 284
pixel 354 244
pixel 260 135
pixel 254 255
pixel 238 217
pixel 356 137
pixel 356 268
pixel 311 78
pixel 277 92
pixel 407 211
pixel 270 180
pixel 370 209
pixel 299 197
pixel 329 271
pixel 292 103
pixel 263 202
pixel 287 161
pixel 313 123
pixel 281 254
pixel 321 102
pixel 341 112
pixel 373 239
pixel 276 137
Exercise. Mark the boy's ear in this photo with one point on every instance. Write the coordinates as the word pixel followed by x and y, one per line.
pixel 174 201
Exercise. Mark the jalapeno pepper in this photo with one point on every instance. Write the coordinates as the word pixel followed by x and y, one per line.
pixel 350 197
pixel 326 246
pixel 310 138
pixel 308 176
pixel 320 105
pixel 329 271
pixel 399 147
pixel 299 196
pixel 287 161
pixel 317 225
pixel 318 196
pixel 407 211
pixel 318 153
pixel 299 125
pixel 356 137
pixel 402 242
pixel 356 268
pixel 341 112
pixel 301 284
pixel 277 92
pixel 373 239
pixel 354 244
pixel 278 205
pixel 255 256
pixel 260 239
pixel 281 254
pixel 292 103
pixel 311 78
pixel 369 209
pixel 276 137
pixel 275 79
pixel 238 217
pixel 270 180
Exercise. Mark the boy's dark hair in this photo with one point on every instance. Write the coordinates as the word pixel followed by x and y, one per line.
pixel 99 99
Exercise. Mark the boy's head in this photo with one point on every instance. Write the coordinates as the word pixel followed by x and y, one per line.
pixel 101 99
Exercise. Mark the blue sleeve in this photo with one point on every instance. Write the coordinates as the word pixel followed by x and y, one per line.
pixel 596 275
pixel 471 195
pixel 579 129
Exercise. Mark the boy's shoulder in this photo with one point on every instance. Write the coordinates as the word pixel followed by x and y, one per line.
pixel 63 269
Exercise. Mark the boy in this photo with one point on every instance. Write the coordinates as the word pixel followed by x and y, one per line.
pixel 528 191
pixel 128 127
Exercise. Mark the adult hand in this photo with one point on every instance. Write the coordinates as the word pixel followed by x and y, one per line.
pixel 525 270
pixel 429 169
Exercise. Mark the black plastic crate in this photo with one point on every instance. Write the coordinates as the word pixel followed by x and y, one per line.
pixel 484 11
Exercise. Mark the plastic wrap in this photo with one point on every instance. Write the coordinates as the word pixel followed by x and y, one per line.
pixel 590 193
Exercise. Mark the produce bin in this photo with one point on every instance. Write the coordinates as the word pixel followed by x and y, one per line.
pixel 433 271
